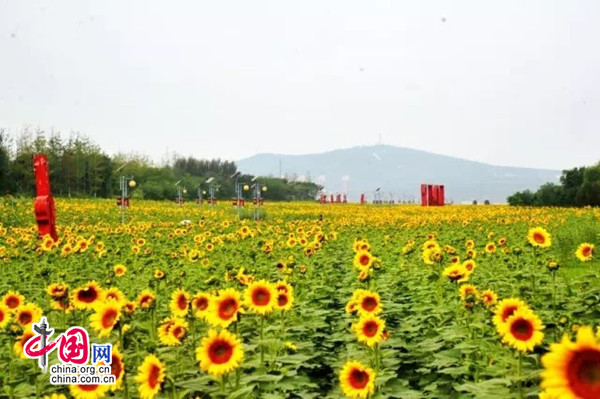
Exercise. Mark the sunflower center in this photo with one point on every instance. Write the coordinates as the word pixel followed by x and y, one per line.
pixel 116 366
pixel 369 303
pixel 261 297
pixel 508 311
pixel 202 303
pixel 370 328
pixel 88 295
pixel 178 332
pixel 364 260
pixel 227 308
pixel 282 299
pixel 2 316
pixel 108 319
pixel 146 301
pixel 153 376
pixel 586 251
pixel 220 352
pixel 12 302
pixel 583 373
pixel 522 330
pixel 25 318
pixel 182 302
pixel 358 379
pixel 539 238
pixel 87 388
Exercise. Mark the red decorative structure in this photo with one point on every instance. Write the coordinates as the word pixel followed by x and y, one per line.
pixel 363 200
pixel 331 198
pixel 323 199
pixel 424 197
pixel 44 203
pixel 433 195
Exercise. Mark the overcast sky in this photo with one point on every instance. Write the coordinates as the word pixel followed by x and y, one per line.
pixel 505 82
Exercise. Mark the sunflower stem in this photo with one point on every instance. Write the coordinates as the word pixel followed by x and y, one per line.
pixel 122 343
pixel 173 388
pixel 262 344
pixel 554 303
pixel 519 379
pixel 237 370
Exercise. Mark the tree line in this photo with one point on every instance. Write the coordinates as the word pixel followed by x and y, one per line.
pixel 578 187
pixel 80 168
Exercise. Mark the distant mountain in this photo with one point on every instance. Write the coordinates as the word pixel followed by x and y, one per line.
pixel 399 172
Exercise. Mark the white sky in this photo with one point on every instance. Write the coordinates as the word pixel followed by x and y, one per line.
pixel 506 82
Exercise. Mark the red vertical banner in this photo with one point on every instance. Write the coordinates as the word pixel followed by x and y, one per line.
pixel 338 198
pixel 442 197
pixel 362 199
pixel 331 198
pixel 435 195
pixel 430 194
pixel 424 201
pixel 44 203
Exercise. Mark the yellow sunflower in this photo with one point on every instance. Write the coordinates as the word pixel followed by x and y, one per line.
pixel 220 353
pixel 363 259
pixel 55 396
pixel 172 330
pixel 115 294
pixel 260 297
pixel 88 391
pixel 151 374
pixel 86 297
pixel 146 299
pixel 369 329
pixel 105 317
pixel 4 316
pixel 224 308
pixel 28 314
pixel 505 309
pixel 357 381
pixel 179 303
pixel 523 330
pixel 467 289
pixel 20 343
pixel 539 237
pixel 57 290
pixel 490 248
pixel 117 368
pixel 470 265
pixel 284 286
pixel 13 300
pixel 489 297
pixel 200 304
pixel 456 273
pixel 120 270
pixel 585 252
pixel 369 303
pixel 285 300
pixel 572 369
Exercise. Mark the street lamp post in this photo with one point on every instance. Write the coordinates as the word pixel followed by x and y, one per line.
pixel 125 182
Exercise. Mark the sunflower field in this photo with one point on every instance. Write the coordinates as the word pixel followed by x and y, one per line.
pixel 313 301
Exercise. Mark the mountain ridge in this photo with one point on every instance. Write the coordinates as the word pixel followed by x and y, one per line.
pixel 399 171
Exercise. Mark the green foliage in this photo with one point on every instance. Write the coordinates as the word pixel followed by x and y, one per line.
pixel 79 168
pixel 578 187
